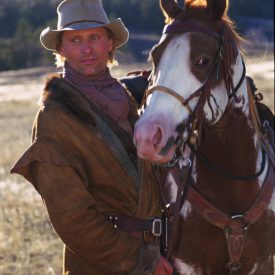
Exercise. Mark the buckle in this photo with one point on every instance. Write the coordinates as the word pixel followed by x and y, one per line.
pixel 113 220
pixel 156 227
pixel 241 218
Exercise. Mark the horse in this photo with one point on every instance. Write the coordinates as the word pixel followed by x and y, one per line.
pixel 199 125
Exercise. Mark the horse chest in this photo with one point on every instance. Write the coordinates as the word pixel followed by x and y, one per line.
pixel 201 247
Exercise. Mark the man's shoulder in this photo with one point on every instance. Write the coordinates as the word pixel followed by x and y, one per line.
pixel 61 96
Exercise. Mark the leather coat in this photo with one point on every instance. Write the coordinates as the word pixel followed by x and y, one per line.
pixel 84 166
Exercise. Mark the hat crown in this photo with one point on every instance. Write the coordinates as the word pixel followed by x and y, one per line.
pixel 73 11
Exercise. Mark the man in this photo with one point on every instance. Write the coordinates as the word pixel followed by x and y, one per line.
pixel 82 160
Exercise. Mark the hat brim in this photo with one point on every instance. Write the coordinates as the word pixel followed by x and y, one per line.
pixel 49 37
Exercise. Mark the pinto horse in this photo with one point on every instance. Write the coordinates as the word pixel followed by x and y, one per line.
pixel 200 124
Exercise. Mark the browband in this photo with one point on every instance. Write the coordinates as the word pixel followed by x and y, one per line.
pixel 178 27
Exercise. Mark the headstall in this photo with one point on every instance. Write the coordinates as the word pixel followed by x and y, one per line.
pixel 187 27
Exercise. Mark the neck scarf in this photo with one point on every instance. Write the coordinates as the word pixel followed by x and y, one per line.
pixel 103 90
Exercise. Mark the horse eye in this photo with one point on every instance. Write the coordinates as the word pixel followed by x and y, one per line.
pixel 202 62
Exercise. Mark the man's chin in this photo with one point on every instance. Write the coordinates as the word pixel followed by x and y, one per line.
pixel 93 71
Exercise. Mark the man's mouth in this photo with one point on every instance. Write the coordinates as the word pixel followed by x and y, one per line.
pixel 89 60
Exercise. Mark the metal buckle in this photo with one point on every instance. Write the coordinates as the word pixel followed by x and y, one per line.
pixel 157 227
pixel 113 220
pixel 245 225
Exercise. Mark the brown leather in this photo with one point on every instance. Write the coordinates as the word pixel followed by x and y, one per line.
pixel 143 229
pixel 234 227
pixel 171 211
pixel 169 91
pixel 82 176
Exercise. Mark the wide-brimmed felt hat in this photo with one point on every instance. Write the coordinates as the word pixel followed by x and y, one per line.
pixel 82 15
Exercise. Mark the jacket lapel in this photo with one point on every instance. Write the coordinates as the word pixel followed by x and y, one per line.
pixel 117 148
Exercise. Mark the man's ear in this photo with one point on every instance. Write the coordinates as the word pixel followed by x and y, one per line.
pixel 60 50
pixel 111 45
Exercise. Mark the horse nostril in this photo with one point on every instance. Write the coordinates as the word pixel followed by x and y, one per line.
pixel 157 137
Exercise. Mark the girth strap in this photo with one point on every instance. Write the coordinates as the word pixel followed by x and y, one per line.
pixel 235 227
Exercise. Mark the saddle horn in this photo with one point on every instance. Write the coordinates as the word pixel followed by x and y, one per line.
pixel 170 9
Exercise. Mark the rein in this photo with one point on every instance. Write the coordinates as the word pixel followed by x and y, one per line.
pixel 224 173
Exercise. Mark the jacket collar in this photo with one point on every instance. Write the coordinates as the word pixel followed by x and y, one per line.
pixel 57 90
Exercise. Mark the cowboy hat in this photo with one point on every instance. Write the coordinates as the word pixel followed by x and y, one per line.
pixel 81 15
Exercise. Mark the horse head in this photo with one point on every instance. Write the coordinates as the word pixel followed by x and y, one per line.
pixel 196 67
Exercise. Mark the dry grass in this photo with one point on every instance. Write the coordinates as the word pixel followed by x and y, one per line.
pixel 28 243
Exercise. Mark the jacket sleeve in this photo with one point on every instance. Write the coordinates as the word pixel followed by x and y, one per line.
pixel 72 211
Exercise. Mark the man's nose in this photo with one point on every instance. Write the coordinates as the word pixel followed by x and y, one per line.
pixel 87 47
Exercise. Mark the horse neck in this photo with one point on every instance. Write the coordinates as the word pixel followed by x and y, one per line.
pixel 232 145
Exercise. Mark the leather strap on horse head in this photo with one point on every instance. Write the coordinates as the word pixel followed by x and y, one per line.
pixel 235 227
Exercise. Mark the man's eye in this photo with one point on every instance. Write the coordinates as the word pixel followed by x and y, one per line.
pixel 75 40
pixel 95 37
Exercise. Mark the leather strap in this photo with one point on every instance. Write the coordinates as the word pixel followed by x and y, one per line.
pixel 171 211
pixel 234 227
pixel 183 27
pixel 170 92
pixel 131 224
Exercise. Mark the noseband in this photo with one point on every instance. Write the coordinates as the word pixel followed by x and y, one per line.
pixel 171 92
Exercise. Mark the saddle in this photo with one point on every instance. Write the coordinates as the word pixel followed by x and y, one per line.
pixel 263 120
pixel 264 112
pixel 137 83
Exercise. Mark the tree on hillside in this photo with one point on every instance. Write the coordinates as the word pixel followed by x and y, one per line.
pixel 21 21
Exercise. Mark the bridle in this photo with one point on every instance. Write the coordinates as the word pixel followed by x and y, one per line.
pixel 235 227
pixel 187 27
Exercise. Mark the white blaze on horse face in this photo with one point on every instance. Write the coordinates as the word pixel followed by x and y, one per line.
pixel 164 113
pixel 174 72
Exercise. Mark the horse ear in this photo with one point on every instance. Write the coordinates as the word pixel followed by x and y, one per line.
pixel 217 8
pixel 170 9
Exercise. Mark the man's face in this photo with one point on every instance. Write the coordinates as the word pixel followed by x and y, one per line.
pixel 86 50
